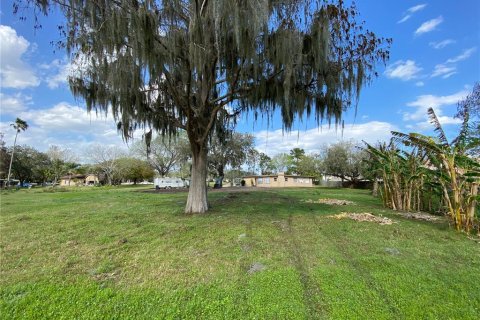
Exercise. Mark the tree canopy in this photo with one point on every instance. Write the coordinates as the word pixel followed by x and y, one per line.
pixel 194 65
pixel 231 151
pixel 163 154
pixel 344 160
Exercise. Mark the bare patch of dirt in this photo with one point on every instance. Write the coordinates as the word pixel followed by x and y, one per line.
pixel 106 276
pixel 281 224
pixel 23 218
pixel 365 216
pixel 72 243
pixel 334 202
pixel 256 267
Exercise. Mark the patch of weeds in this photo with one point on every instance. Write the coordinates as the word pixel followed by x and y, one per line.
pixel 107 271
pixel 23 217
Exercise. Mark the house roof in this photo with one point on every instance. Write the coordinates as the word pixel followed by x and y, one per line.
pixel 79 176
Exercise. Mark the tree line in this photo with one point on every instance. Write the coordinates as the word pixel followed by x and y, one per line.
pixel 231 157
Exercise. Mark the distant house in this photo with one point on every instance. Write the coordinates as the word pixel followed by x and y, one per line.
pixel 79 180
pixel 278 181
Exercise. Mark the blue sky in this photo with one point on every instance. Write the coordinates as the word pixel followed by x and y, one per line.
pixel 434 62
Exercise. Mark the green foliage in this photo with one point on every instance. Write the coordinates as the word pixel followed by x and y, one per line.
pixel 135 170
pixel 19 125
pixel 4 157
pixel 309 165
pixel 165 155
pixel 281 162
pixel 232 150
pixel 343 160
pixel 29 164
pixel 265 164
pixel 431 166
pixel 468 110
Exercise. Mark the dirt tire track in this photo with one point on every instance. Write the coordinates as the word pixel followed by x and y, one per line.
pixel 316 309
pixel 243 265
pixel 363 273
pixel 312 294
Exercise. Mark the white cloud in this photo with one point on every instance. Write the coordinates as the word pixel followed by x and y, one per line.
pixel 412 10
pixel 403 70
pixel 417 8
pixel 58 72
pixel 444 120
pixel 444 70
pixel 463 56
pixel 14 71
pixel 449 68
pixel 419 83
pixel 429 25
pixel 423 102
pixel 14 104
pixel 442 44
pixel 312 140
pixel 67 126
pixel 405 18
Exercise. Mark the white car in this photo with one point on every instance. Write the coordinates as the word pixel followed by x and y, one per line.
pixel 167 183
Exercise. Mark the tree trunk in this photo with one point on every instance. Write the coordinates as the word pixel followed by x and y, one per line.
pixel 221 175
pixel 11 161
pixel 375 187
pixel 471 206
pixel 197 193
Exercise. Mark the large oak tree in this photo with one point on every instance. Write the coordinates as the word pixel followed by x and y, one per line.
pixel 171 65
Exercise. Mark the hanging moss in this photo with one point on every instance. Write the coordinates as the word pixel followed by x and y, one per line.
pixel 166 64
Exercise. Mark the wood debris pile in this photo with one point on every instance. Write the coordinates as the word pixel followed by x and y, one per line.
pixel 334 202
pixel 364 216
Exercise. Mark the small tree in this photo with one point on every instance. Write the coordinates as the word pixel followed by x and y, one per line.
pixel 105 159
pixel 343 160
pixel 61 161
pixel 281 162
pixel 132 169
pixel 230 151
pixel 18 125
pixel 309 165
pixel 266 165
pixel 30 164
pixel 163 154
pixel 296 154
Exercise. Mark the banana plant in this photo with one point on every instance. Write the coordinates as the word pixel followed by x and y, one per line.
pixel 457 173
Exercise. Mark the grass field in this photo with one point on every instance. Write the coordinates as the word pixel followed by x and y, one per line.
pixel 99 253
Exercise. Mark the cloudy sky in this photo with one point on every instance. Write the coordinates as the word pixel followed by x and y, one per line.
pixel 434 62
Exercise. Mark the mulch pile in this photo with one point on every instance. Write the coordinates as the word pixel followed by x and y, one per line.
pixel 365 216
pixel 334 202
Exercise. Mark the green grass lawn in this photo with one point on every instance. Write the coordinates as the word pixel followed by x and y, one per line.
pixel 98 253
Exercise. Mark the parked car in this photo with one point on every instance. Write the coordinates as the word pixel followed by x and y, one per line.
pixel 27 185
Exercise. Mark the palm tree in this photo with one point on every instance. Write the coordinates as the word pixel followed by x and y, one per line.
pixel 19 125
